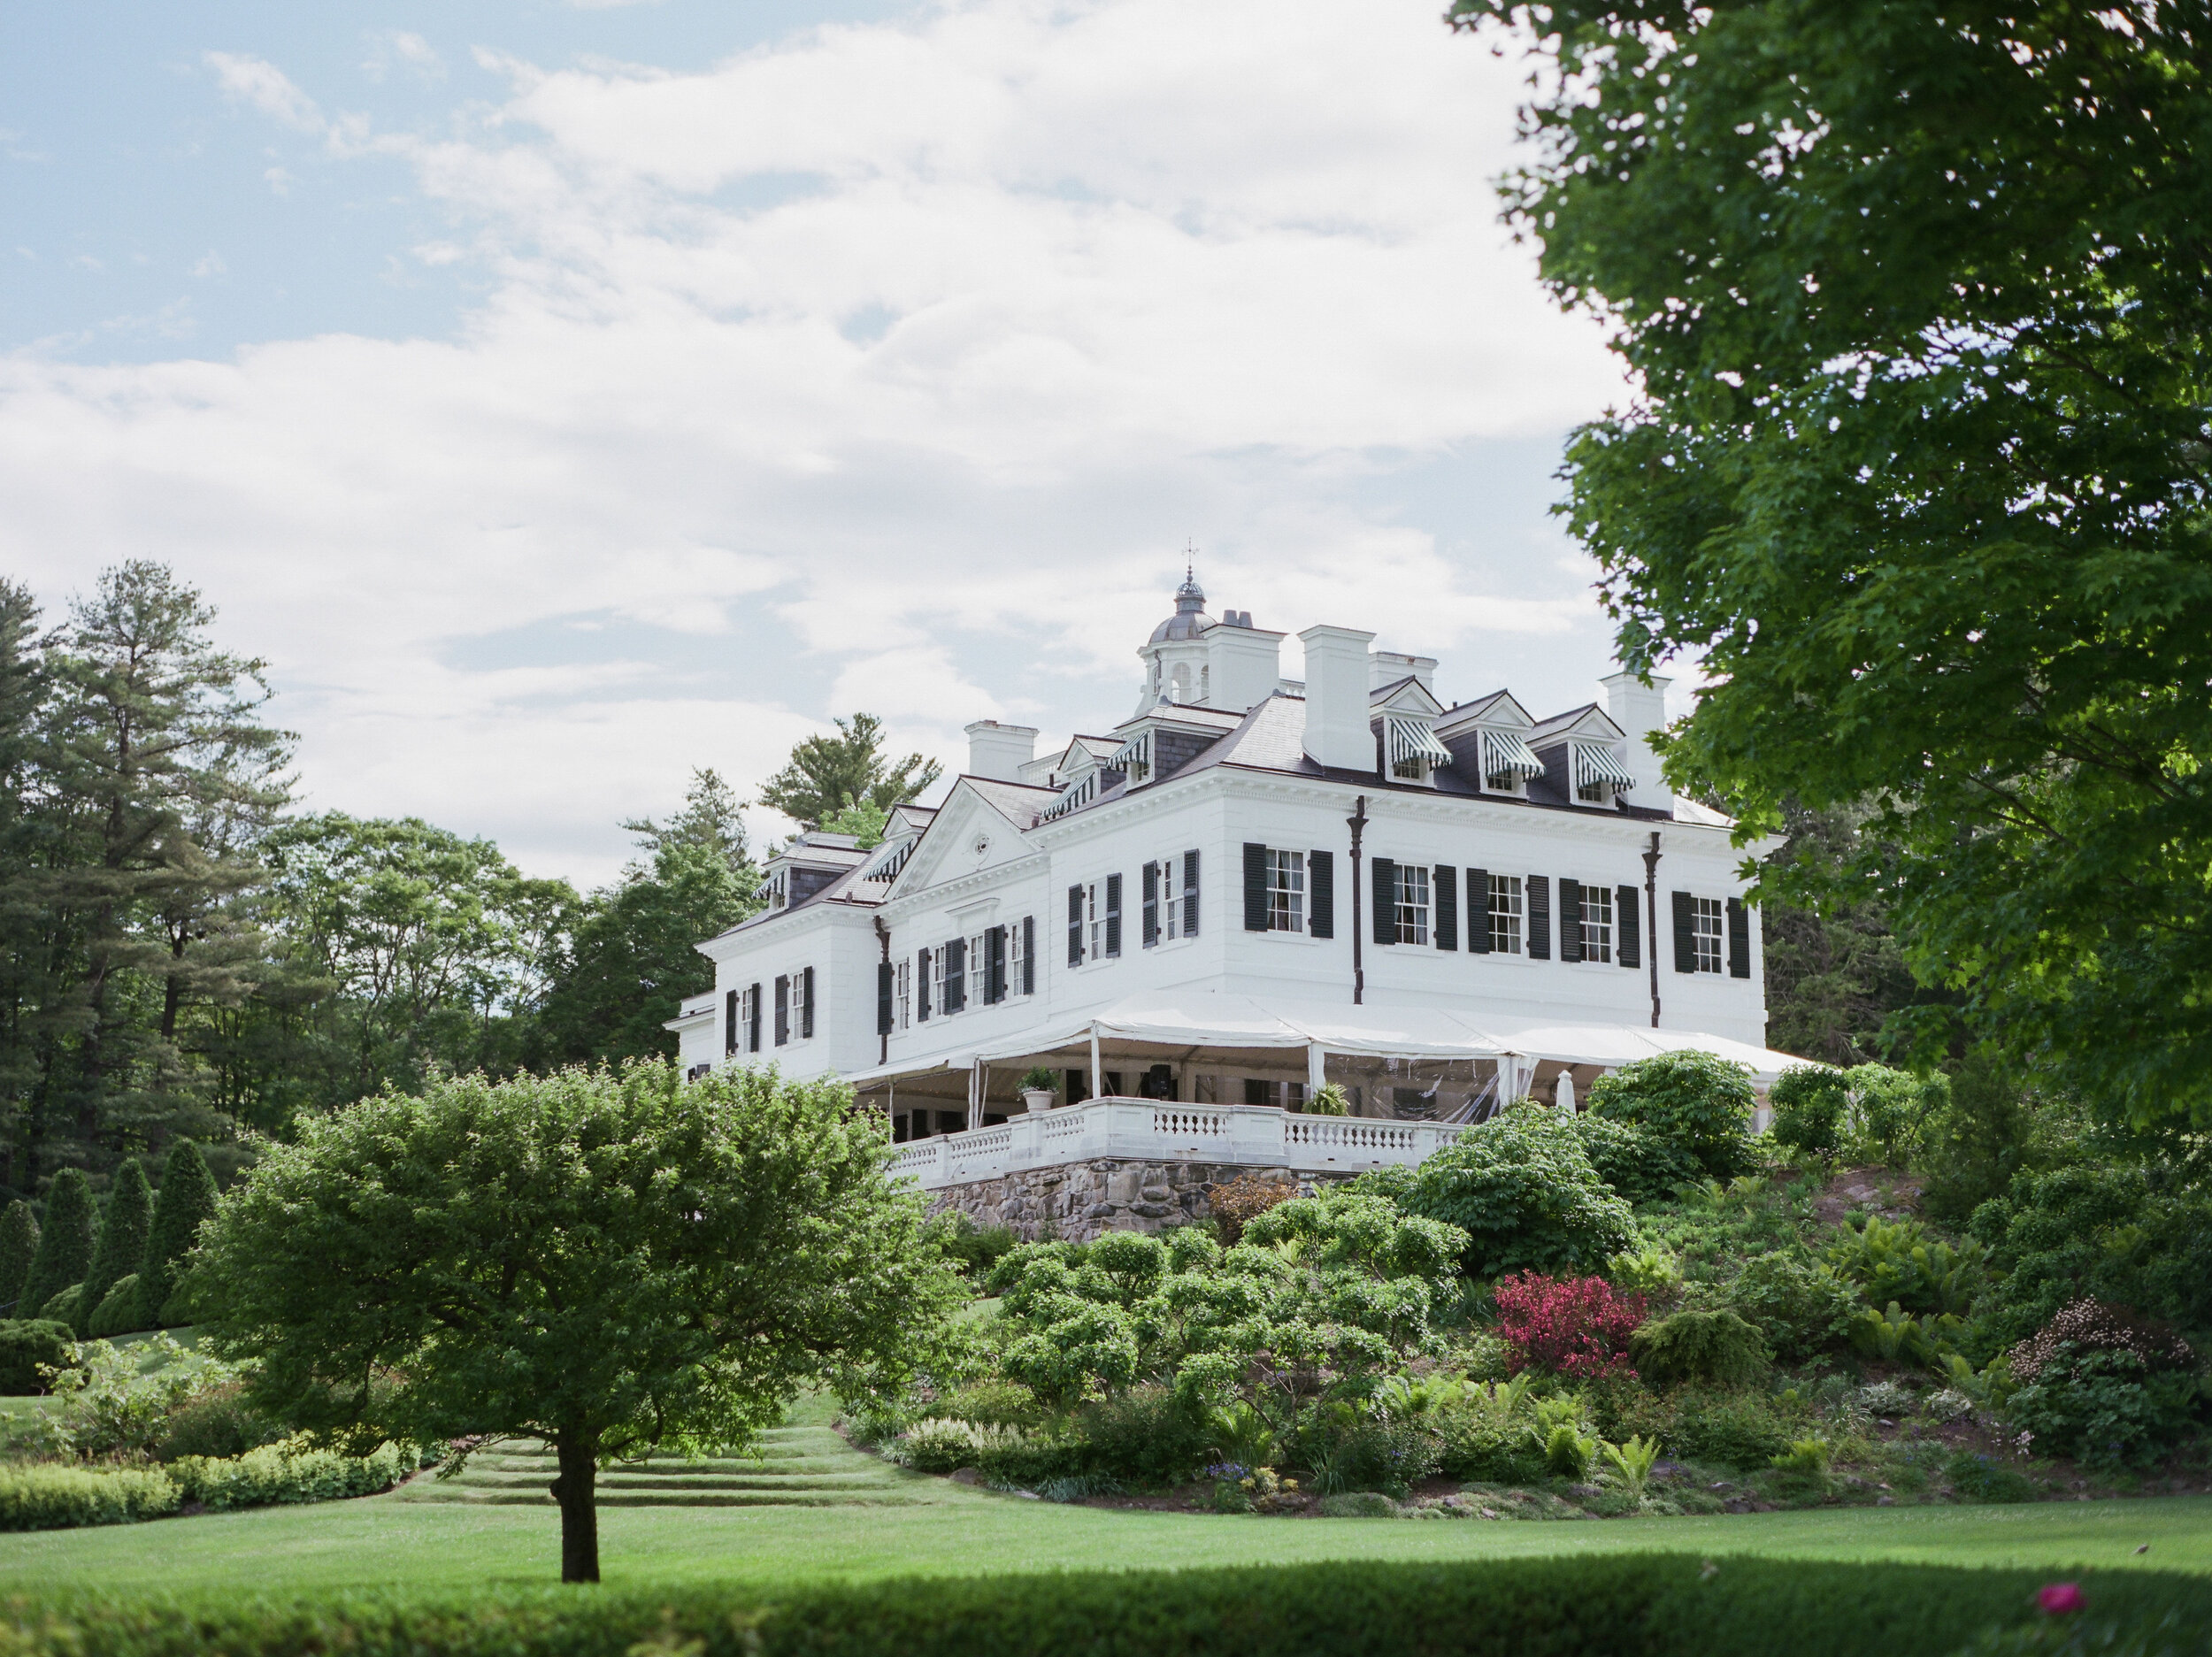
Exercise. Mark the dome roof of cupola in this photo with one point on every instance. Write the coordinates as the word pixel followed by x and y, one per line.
pixel 1190 618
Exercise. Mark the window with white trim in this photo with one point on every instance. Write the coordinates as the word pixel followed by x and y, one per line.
pixel 937 964
pixel 1413 903
pixel 1094 921
pixel 1170 897
pixel 1597 922
pixel 1285 891
pixel 979 969
pixel 1505 914
pixel 1014 959
pixel 902 995
pixel 1706 929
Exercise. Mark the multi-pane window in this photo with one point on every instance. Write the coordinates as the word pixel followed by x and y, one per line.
pixel 1170 897
pixel 1597 922
pixel 1094 920
pixel 1505 914
pixel 902 995
pixel 1285 891
pixel 979 969
pixel 1706 933
pixel 937 964
pixel 1413 903
pixel 1014 959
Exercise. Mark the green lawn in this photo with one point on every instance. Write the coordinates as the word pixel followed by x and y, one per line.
pixel 382 1541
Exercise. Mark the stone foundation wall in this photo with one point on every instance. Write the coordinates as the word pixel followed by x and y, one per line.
pixel 1075 1202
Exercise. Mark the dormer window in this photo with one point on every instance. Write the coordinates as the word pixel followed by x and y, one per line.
pixel 774 891
pixel 1134 756
pixel 1507 763
pixel 1600 773
pixel 1411 748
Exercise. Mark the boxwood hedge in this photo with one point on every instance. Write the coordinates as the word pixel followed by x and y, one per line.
pixel 1633 1604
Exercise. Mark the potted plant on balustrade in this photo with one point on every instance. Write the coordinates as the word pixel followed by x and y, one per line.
pixel 1040 1085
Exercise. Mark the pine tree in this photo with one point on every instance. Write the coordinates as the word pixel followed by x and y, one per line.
pixel 186 1200
pixel 123 1230
pixel 65 1242
pixel 19 1246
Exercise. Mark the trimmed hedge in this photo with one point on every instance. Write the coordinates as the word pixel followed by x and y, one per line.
pixel 46 1496
pixel 1633 1604
pixel 279 1473
pixel 25 1344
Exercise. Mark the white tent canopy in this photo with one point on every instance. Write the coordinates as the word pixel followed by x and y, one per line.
pixel 1206 1019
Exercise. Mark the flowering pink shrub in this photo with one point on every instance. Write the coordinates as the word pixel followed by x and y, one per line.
pixel 2060 1599
pixel 1575 1326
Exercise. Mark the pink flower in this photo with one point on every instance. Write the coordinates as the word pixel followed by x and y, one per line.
pixel 2059 1599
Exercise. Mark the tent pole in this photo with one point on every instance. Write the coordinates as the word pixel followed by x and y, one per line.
pixel 1097 1075
pixel 1316 1071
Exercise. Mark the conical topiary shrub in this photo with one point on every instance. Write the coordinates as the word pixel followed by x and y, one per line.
pixel 123 1229
pixel 19 1246
pixel 65 1242
pixel 185 1202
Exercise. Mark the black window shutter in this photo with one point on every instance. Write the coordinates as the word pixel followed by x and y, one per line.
pixel 783 1010
pixel 1148 928
pixel 1446 930
pixel 921 984
pixel 1570 920
pixel 1684 933
pixel 1385 896
pixel 1538 888
pixel 806 1005
pixel 956 975
pixel 994 972
pixel 1190 895
pixel 1113 915
pixel 1739 939
pixel 1627 935
pixel 1255 888
pixel 1478 911
pixel 729 1021
pixel 883 997
pixel 752 1035
pixel 1029 954
pixel 1321 893
pixel 1075 926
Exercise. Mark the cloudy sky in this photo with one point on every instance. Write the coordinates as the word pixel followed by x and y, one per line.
pixel 562 396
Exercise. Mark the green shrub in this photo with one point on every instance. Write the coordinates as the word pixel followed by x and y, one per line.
pixel 1899 1260
pixel 185 1202
pixel 1370 1455
pixel 55 1496
pixel 1986 1479
pixel 122 1245
pixel 1696 1103
pixel 19 1246
pixel 65 1242
pixel 1809 1102
pixel 1583 1604
pixel 940 1445
pixel 215 1422
pixel 1716 1347
pixel 1639 1164
pixel 25 1345
pixel 993 1404
pixel 117 1311
pixel 976 1248
pixel 64 1307
pixel 1145 1435
pixel 1486 1436
pixel 1358 1504
pixel 2132 1235
pixel 1522 1189
pixel 1738 1430
pixel 2106 1408
pixel 1800 1305
pixel 1804 1455
pixel 279 1474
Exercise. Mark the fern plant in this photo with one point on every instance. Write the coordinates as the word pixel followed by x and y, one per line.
pixel 1632 1462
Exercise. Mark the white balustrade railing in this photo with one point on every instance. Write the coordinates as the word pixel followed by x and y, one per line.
pixel 1143 1130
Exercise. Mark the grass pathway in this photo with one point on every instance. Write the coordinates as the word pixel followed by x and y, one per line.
pixel 943 1528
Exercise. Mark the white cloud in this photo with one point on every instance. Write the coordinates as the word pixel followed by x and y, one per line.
pixel 390 48
pixel 261 85
pixel 886 367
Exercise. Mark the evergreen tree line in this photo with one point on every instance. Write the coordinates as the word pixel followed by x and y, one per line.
pixel 185 956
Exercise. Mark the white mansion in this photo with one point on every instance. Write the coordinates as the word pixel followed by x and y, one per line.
pixel 1248 886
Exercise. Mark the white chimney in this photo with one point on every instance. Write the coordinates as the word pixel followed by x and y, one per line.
pixel 1640 708
pixel 1243 665
pixel 1387 667
pixel 999 751
pixel 1337 731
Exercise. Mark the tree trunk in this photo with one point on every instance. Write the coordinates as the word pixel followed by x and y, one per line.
pixel 579 1515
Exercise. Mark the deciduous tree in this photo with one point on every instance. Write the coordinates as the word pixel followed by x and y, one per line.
pixel 1918 301
pixel 610 1262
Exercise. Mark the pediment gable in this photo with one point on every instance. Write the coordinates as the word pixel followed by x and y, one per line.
pixel 971 831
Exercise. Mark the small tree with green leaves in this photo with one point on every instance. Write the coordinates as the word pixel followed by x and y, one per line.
pixel 1700 1104
pixel 19 1246
pixel 65 1242
pixel 186 1202
pixel 612 1262
pixel 123 1230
